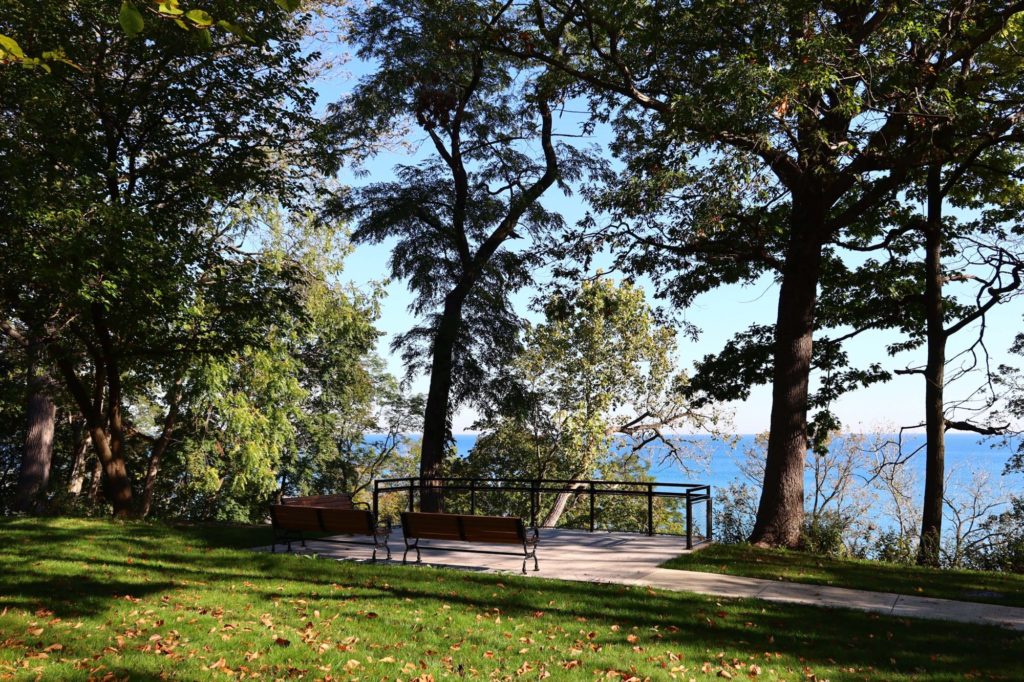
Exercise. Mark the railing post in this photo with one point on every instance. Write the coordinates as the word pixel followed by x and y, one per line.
pixel 472 496
pixel 650 509
pixel 376 494
pixel 412 489
pixel 689 519
pixel 534 485
pixel 591 506
pixel 709 514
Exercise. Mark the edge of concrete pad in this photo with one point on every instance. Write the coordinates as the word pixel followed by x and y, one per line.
pixel 718 584
pixel 828 596
pixel 911 606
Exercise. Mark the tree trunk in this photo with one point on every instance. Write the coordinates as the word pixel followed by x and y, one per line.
pixel 160 447
pixel 81 445
pixel 561 502
pixel 437 414
pixel 935 418
pixel 108 445
pixel 781 508
pixel 116 486
pixel 34 475
pixel 94 481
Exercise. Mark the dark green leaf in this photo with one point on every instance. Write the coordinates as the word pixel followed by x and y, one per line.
pixel 131 19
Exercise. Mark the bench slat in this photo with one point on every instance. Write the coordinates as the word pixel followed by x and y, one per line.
pixel 335 501
pixel 429 526
pixel 295 517
pixel 504 530
pixel 347 521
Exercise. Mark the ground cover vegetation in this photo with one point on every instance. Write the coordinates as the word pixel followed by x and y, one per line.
pixel 150 600
pixel 178 340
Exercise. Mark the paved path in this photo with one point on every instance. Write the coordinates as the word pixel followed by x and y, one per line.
pixel 631 559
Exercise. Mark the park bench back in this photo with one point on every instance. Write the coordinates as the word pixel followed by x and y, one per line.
pixel 430 526
pixel 347 521
pixel 335 501
pixel 295 517
pixel 502 530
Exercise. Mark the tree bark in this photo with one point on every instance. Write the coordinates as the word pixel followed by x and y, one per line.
pixel 94 481
pixel 34 474
pixel 115 482
pixel 781 508
pixel 437 413
pixel 934 374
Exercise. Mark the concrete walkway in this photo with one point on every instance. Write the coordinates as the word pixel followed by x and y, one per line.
pixel 632 559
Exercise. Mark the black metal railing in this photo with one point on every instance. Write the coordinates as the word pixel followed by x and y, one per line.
pixel 688 495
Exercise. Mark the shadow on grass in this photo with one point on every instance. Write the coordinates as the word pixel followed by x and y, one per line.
pixel 92 561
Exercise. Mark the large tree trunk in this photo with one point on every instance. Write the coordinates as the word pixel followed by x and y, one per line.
pixel 781 508
pixel 436 415
pixel 108 446
pixel 935 418
pixel 34 475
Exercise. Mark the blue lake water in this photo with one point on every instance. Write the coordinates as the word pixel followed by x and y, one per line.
pixel 965 455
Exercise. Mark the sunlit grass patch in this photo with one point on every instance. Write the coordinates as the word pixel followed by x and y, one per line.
pixel 802 567
pixel 84 599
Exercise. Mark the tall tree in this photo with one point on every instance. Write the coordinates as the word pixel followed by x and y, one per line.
pixel 768 131
pixel 456 214
pixel 595 385
pixel 112 178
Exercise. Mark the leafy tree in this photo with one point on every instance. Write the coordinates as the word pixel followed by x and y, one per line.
pixel 595 385
pixel 455 215
pixel 291 415
pixel 769 133
pixel 112 180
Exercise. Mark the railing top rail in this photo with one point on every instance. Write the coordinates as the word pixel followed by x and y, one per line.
pixel 415 480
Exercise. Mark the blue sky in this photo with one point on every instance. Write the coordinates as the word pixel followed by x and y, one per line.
pixel 718 314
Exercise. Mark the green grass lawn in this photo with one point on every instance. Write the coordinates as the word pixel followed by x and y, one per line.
pixel 801 567
pixel 84 599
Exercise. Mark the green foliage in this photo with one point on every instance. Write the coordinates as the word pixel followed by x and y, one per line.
pixel 291 415
pixel 594 394
pixel 825 534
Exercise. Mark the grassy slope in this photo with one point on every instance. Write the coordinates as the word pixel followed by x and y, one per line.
pixel 81 598
pixel 800 567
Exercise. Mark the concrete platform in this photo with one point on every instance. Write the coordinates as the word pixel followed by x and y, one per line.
pixel 633 559
pixel 562 554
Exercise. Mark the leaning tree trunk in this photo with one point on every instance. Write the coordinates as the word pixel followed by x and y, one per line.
pixel 934 374
pixel 561 502
pixel 160 447
pixel 81 439
pixel 781 508
pixel 34 475
pixel 436 415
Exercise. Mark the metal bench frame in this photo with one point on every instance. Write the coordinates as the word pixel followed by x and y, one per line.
pixel 283 534
pixel 464 522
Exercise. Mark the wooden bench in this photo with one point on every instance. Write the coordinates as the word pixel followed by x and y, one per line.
pixel 492 530
pixel 292 521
